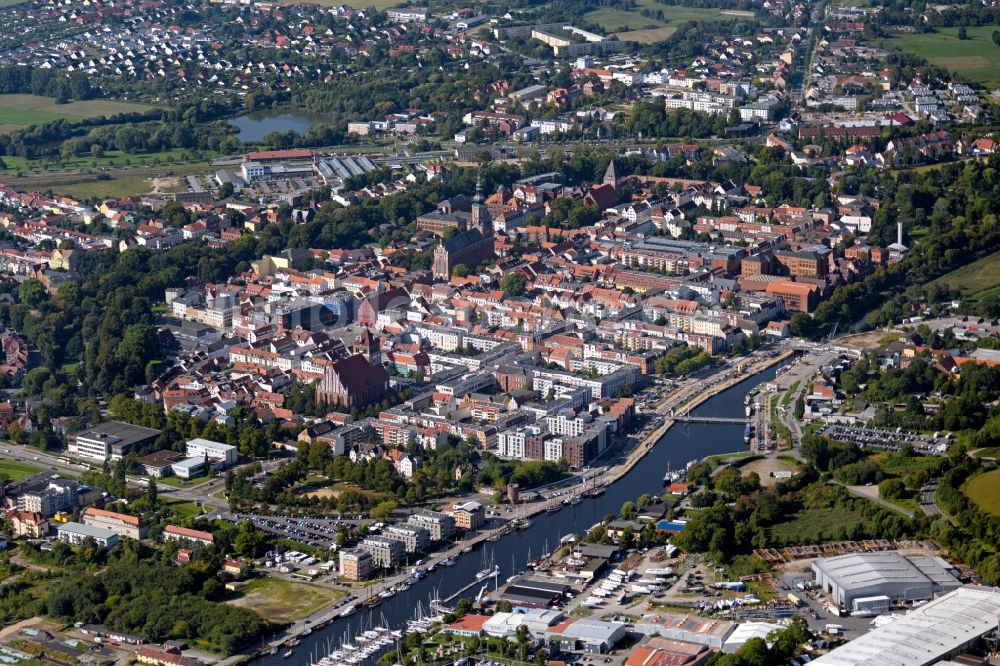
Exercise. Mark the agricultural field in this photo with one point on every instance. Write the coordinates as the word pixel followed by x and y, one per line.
pixel 284 601
pixel 22 110
pixel 976 58
pixel 977 279
pixel 984 490
pixel 647 35
pixel 633 25
pixel 15 471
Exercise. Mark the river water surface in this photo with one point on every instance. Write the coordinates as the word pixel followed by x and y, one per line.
pixel 678 446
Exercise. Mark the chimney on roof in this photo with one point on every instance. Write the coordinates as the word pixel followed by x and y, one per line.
pixel 899 232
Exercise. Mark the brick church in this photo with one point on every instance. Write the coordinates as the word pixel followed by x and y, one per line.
pixel 358 380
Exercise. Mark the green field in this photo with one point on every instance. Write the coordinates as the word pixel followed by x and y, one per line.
pixel 896 464
pixel 284 601
pixel 118 187
pixel 976 279
pixel 111 158
pixel 15 471
pixel 181 508
pixel 976 58
pixel 984 490
pixel 816 525
pixel 22 110
pixel 646 29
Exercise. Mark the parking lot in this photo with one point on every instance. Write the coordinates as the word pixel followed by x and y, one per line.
pixel 886 440
pixel 319 532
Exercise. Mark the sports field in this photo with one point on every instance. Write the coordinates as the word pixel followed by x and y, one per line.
pixel 22 110
pixel 976 58
pixel 984 490
pixel 631 24
pixel 977 279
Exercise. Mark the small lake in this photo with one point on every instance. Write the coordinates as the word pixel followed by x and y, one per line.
pixel 255 126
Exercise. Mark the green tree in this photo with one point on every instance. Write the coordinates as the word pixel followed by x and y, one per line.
pixel 513 284
pixel 32 292
pixel 627 512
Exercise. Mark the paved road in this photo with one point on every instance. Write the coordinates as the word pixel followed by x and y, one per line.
pixel 871 493
pixel 928 504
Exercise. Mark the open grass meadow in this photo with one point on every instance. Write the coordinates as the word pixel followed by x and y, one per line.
pixel 15 471
pixel 22 110
pixel 984 490
pixel 976 58
pixel 284 601
pixel 632 25
pixel 977 279
pixel 814 525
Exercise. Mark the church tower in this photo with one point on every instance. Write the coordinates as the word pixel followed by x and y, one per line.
pixel 611 177
pixel 367 345
pixel 481 218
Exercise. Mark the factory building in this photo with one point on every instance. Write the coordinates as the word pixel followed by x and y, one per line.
pixel 863 576
pixel 940 629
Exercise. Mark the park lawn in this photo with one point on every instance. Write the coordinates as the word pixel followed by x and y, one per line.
pixel 816 525
pixel 284 601
pixel 976 58
pixel 182 508
pixel 23 110
pixel 984 490
pixel 16 471
pixel 975 279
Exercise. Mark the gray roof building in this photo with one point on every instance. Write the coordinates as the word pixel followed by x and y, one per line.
pixel 859 575
pixel 937 630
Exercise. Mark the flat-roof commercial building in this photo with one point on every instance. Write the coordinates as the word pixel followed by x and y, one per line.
pixel 587 634
pixel 217 452
pixel 189 468
pixel 847 578
pixel 938 630
pixel 690 628
pixel 532 593
pixel 111 440
pixel 77 533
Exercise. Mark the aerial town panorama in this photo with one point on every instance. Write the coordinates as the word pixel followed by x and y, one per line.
pixel 633 332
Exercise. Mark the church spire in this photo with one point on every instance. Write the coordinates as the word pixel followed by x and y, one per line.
pixel 611 176
pixel 478 199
